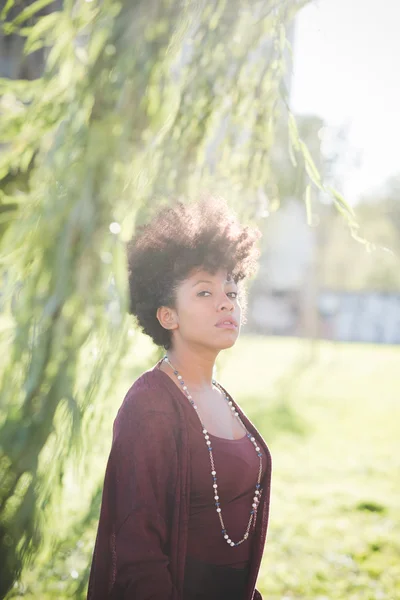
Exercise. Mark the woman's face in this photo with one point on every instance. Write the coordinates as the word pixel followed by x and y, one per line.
pixel 207 310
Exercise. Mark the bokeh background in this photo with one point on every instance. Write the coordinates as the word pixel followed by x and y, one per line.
pixel 110 109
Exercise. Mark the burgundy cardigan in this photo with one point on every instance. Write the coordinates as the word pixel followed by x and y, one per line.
pixel 141 540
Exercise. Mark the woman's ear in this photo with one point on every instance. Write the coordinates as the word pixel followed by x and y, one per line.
pixel 167 317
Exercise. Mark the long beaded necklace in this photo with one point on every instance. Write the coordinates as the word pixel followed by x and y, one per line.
pixel 257 493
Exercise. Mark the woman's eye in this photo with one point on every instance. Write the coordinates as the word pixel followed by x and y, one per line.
pixel 204 293
pixel 232 294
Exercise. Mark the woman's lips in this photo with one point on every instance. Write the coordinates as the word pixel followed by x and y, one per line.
pixel 226 324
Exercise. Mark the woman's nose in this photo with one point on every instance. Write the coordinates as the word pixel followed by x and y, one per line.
pixel 226 304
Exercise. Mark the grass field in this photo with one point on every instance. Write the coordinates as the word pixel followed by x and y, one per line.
pixel 330 414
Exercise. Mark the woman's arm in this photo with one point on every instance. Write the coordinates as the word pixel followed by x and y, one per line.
pixel 140 481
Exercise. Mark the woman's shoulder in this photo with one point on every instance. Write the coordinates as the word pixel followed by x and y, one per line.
pixel 150 393
pixel 148 405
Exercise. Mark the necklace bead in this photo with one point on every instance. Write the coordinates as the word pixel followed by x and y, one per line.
pixel 258 491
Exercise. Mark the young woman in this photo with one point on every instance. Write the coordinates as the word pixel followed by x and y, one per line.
pixel 186 494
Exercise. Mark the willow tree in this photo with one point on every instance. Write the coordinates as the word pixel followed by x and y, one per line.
pixel 139 101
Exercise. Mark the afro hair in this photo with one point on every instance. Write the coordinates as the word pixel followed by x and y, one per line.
pixel 178 240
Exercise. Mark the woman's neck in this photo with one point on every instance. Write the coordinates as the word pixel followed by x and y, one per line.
pixel 195 367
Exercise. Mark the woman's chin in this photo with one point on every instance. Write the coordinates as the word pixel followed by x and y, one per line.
pixel 229 345
pixel 228 342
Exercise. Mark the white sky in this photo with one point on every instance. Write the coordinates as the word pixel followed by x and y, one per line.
pixel 347 71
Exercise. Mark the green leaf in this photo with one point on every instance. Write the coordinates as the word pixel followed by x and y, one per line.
pixel 30 11
pixel 339 200
pixel 310 166
pixel 6 9
pixel 36 33
pixel 97 43
pixel 26 158
pixel 293 132
pixel 354 234
pixel 59 50
pixel 291 154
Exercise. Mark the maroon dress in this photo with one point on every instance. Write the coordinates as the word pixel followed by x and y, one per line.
pixel 154 506
pixel 236 464
pixel 213 569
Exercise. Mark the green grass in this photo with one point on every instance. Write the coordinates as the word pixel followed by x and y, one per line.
pixel 330 414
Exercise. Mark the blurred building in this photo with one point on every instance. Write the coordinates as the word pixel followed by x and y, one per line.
pixel 283 286
pixel 359 316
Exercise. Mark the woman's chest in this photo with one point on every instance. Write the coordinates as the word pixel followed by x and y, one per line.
pixel 218 416
pixel 235 462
